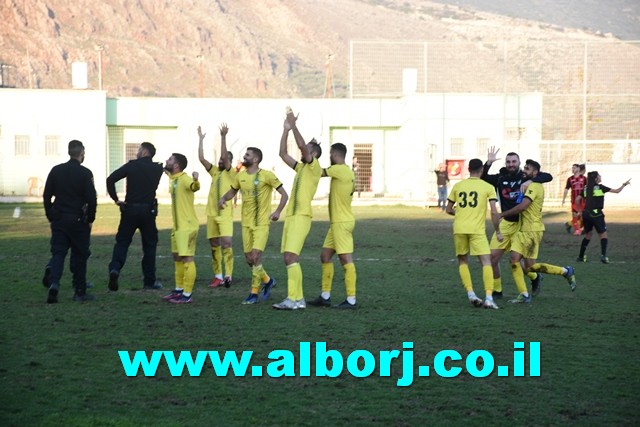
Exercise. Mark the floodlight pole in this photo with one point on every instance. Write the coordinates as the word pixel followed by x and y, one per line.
pixel 99 48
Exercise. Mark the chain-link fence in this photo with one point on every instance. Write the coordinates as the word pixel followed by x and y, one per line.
pixel 590 91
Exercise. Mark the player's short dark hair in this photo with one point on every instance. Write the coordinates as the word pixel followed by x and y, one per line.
pixel 315 146
pixel 513 154
pixel 533 164
pixel 340 148
pixel 149 147
pixel 230 156
pixel 75 148
pixel 583 167
pixel 181 159
pixel 257 152
pixel 475 165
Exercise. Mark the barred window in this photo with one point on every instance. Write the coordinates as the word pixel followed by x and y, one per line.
pixel 21 145
pixel 130 151
pixel 52 145
pixel 514 133
pixel 457 146
pixel 481 147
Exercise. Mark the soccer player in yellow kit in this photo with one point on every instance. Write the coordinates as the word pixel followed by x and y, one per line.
pixel 184 234
pixel 470 197
pixel 298 221
pixel 219 221
pixel 256 185
pixel 526 242
pixel 339 238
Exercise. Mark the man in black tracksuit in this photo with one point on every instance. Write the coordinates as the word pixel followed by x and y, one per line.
pixel 509 186
pixel 71 215
pixel 138 211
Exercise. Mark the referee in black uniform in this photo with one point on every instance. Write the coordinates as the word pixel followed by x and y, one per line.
pixel 71 215
pixel 138 211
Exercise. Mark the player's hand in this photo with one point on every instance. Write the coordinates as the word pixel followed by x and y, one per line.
pixel 275 216
pixel 492 154
pixel 195 175
pixel 120 203
pixel 224 129
pixel 627 182
pixel 222 203
pixel 291 118
pixel 499 236
pixel 524 186
pixel 200 134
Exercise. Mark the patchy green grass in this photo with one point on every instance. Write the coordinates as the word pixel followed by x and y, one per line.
pixel 59 363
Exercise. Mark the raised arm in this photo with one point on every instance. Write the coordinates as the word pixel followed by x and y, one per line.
pixel 492 156
pixel 290 161
pixel 224 154
pixel 205 162
pixel 619 189
pixel 302 145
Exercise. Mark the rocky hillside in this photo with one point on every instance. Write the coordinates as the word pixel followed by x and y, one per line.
pixel 240 48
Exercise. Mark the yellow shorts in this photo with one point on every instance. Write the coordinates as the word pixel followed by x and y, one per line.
pixel 183 242
pixel 296 229
pixel 254 237
pixel 527 243
pixel 475 244
pixel 508 230
pixel 219 226
pixel 340 237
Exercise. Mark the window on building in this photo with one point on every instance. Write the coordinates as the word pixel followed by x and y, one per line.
pixel 21 145
pixel 514 133
pixel 52 145
pixel 457 147
pixel 482 145
pixel 130 151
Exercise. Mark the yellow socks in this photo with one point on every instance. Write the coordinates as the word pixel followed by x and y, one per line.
pixel 497 284
pixel 294 282
pixel 179 274
pixel 327 276
pixel 227 254
pixel 518 277
pixel 350 277
pixel 216 256
pixel 487 279
pixel 189 277
pixel 465 276
pixel 547 268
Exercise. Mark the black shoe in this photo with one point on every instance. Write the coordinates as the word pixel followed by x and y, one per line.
pixel 46 279
pixel 157 285
pixel 320 302
pixel 497 294
pixel 52 297
pixel 113 280
pixel 226 282
pixel 346 305
pixel 536 284
pixel 84 298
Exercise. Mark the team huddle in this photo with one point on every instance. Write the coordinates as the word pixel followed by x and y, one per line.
pixel 72 213
pixel 518 228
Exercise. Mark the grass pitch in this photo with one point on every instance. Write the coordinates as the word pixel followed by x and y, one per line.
pixel 59 363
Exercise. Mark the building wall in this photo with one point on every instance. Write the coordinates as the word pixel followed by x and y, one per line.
pixel 408 136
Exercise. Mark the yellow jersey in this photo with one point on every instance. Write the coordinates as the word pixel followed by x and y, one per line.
pixel 341 193
pixel 304 187
pixel 220 184
pixel 470 197
pixel 256 195
pixel 531 218
pixel 181 188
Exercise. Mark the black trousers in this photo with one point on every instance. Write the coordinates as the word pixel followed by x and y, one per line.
pixel 137 216
pixel 70 233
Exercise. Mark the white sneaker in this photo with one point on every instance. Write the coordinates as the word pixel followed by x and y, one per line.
pixel 301 303
pixel 287 304
pixel 490 304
